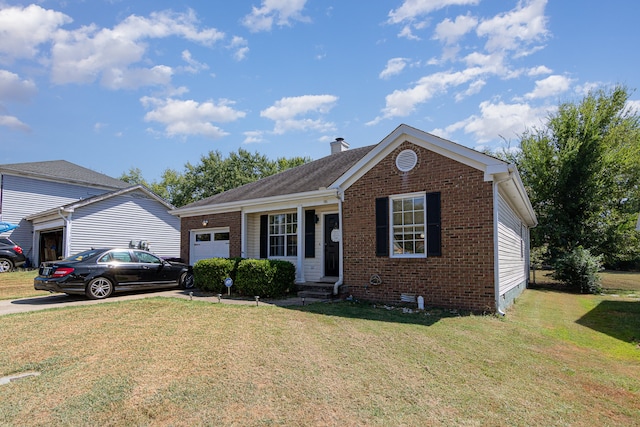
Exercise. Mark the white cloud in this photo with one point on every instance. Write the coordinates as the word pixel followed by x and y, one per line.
pixel 550 86
pixel 132 78
pixel 278 12
pixel 394 67
pixel 539 70
pixel 23 30
pixel 411 9
pixel 12 88
pixel 253 137
pixel 498 120
pixel 286 111
pixel 240 48
pixel 88 53
pixel 449 32
pixel 517 28
pixel 401 103
pixel 634 106
pixel 193 65
pixel 188 117
pixel 13 123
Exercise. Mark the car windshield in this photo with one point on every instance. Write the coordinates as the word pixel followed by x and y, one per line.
pixel 84 255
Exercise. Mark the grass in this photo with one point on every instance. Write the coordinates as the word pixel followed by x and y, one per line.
pixel 555 359
pixel 18 284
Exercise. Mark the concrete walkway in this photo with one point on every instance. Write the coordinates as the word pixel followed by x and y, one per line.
pixel 62 300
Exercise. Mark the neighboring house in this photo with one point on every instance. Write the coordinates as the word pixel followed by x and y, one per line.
pixel 414 215
pixel 63 208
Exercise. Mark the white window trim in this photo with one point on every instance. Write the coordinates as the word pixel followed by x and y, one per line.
pixel 392 253
pixel 286 255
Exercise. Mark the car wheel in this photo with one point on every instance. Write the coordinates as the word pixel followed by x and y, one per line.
pixel 186 280
pixel 5 265
pixel 99 288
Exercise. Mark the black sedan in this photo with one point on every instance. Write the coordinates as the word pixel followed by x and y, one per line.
pixel 97 273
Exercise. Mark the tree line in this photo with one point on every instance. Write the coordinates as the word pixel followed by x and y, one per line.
pixel 213 174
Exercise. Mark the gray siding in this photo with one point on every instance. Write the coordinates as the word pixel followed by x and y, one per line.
pixel 512 248
pixel 118 220
pixel 23 196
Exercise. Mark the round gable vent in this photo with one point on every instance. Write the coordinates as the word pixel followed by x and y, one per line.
pixel 406 160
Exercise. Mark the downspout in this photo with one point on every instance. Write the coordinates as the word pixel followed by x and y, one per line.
pixel 496 249
pixel 67 232
pixel 337 285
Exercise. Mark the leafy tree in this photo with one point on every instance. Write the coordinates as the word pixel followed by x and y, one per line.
pixel 133 177
pixel 582 172
pixel 212 175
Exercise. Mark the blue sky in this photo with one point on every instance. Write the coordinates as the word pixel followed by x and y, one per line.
pixel 115 84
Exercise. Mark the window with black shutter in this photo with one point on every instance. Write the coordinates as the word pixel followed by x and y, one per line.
pixel 382 226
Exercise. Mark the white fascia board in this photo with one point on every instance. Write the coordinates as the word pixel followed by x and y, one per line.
pixel 287 201
pixel 515 194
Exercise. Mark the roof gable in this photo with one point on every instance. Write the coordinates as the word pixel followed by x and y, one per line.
pixel 63 171
pixel 475 159
pixel 70 207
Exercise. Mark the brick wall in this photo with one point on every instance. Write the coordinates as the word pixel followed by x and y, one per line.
pixel 229 219
pixel 463 276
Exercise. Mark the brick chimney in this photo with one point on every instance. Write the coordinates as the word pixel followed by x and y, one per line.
pixel 339 145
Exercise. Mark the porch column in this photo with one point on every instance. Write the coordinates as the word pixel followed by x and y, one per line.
pixel 243 233
pixel 300 250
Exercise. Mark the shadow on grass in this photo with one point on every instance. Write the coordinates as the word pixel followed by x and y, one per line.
pixel 618 319
pixel 379 312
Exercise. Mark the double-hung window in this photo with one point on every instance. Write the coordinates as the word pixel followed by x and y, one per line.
pixel 283 235
pixel 408 225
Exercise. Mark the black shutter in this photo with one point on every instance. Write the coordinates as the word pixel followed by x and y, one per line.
pixel 434 239
pixel 382 226
pixel 264 236
pixel 310 233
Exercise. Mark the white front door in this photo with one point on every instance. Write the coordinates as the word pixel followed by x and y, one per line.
pixel 209 244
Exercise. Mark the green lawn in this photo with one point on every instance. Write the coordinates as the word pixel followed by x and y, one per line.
pixel 555 359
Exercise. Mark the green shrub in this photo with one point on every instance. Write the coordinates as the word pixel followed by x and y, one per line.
pixel 254 277
pixel 284 277
pixel 578 270
pixel 210 273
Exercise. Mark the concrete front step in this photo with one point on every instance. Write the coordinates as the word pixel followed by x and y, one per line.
pixel 315 294
pixel 321 290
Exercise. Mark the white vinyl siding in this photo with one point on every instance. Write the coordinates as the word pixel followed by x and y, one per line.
pixel 513 247
pixel 116 221
pixel 23 196
pixel 253 236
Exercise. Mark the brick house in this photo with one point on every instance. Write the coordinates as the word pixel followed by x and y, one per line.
pixel 412 216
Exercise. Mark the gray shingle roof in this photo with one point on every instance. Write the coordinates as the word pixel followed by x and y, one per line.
pixel 308 177
pixel 63 171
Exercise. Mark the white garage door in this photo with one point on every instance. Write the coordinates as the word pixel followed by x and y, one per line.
pixel 209 244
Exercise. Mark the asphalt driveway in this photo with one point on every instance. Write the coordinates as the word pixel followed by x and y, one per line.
pixel 62 300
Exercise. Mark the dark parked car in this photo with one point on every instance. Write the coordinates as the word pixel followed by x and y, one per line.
pixel 11 255
pixel 97 273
